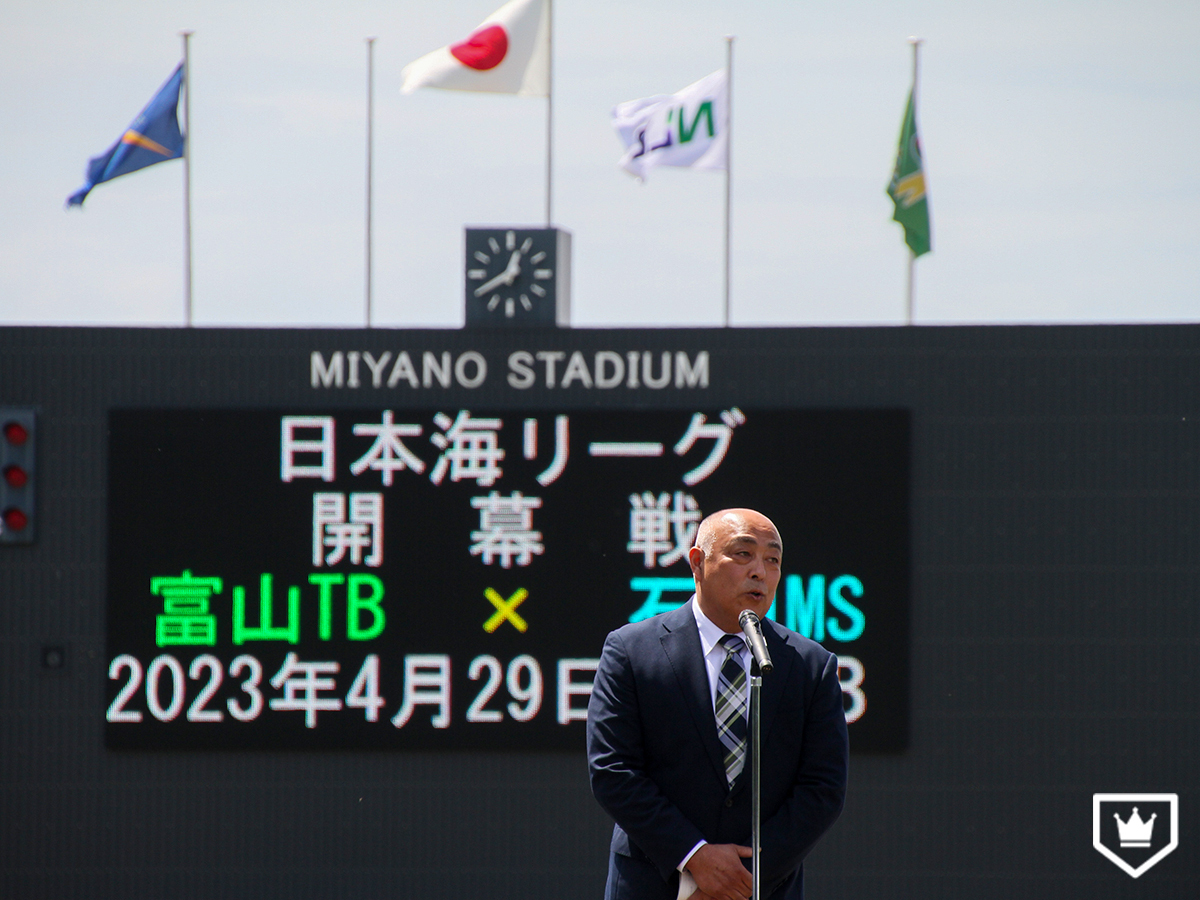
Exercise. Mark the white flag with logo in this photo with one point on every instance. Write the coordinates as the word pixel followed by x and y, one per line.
pixel 688 128
pixel 509 53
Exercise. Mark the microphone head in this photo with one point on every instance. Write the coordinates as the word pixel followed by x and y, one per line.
pixel 752 629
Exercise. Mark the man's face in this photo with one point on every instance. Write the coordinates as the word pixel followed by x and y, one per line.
pixel 740 570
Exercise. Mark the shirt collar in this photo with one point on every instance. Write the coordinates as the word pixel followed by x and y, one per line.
pixel 710 634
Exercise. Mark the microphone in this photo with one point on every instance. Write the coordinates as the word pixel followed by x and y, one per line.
pixel 752 628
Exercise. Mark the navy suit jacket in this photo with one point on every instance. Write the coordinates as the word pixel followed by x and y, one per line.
pixel 657 766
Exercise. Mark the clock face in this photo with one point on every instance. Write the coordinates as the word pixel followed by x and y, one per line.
pixel 511 275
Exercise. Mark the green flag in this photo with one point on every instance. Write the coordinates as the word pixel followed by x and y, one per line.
pixel 907 187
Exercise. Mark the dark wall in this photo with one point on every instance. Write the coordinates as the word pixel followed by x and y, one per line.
pixel 1054 629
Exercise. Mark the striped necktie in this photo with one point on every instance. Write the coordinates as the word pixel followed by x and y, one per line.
pixel 732 701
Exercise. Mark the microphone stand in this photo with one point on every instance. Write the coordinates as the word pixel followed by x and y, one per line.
pixel 760 664
pixel 755 785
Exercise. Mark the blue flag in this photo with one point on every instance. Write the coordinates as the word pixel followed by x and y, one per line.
pixel 153 137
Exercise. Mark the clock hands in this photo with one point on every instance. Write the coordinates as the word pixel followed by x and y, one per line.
pixel 510 275
pixel 507 277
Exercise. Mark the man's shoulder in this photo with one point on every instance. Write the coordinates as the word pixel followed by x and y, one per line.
pixel 805 647
pixel 654 628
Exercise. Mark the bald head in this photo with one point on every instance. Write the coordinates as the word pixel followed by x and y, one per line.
pixel 730 518
pixel 736 563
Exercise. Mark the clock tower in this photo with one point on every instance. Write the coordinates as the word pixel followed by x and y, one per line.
pixel 518 277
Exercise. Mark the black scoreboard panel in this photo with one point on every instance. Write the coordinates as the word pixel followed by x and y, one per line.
pixel 444 578
pixel 1052 643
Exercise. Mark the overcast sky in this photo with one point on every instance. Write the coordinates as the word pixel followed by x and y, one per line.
pixel 1061 141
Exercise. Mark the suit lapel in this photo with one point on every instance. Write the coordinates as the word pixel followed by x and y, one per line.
pixel 774 685
pixel 680 640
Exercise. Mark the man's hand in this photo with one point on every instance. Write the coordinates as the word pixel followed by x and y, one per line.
pixel 719 872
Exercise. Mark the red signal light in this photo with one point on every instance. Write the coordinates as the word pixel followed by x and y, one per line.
pixel 15 434
pixel 18 475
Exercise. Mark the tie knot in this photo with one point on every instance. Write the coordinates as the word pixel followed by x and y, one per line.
pixel 733 643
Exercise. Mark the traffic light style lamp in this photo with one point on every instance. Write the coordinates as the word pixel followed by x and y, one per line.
pixel 17 446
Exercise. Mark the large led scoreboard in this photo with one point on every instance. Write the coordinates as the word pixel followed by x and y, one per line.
pixel 309 613
pixel 442 577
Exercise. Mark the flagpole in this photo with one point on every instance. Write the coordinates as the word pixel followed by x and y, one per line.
pixel 370 123
pixel 549 110
pixel 728 161
pixel 912 257
pixel 187 183
pixel 908 305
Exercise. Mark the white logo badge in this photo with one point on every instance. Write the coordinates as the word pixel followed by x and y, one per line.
pixel 1135 831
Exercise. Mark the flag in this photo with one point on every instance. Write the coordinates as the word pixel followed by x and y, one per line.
pixel 907 187
pixel 509 53
pixel 153 137
pixel 688 128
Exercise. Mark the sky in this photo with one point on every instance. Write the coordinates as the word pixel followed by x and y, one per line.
pixel 1061 145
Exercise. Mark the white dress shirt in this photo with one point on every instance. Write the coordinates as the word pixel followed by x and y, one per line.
pixel 714 658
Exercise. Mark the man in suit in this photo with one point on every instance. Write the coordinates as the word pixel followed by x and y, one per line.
pixel 668 752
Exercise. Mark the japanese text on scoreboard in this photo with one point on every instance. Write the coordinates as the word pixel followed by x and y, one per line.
pixel 444 578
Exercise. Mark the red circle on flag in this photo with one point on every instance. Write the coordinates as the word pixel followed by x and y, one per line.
pixel 483 50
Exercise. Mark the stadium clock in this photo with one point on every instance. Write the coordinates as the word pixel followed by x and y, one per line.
pixel 517 276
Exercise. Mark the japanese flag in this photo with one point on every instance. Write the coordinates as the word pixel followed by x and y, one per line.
pixel 509 53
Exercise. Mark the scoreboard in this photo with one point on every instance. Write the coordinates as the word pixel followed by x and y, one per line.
pixel 443 578
pixel 299 613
